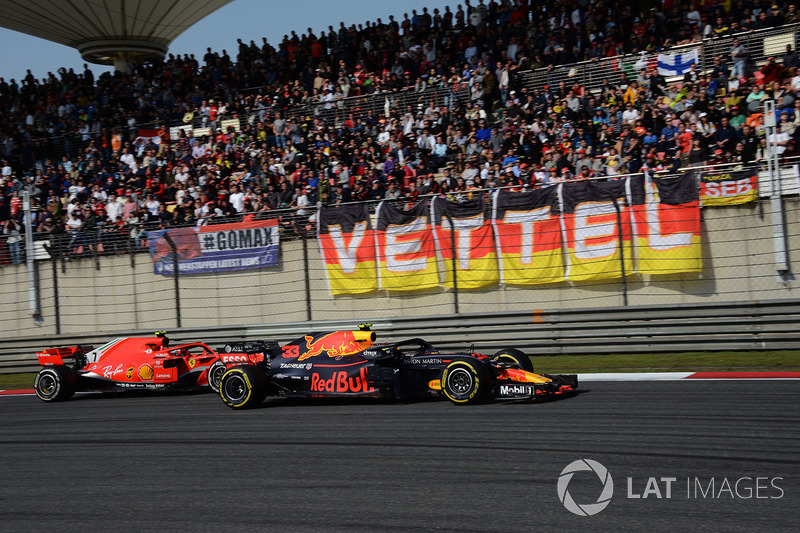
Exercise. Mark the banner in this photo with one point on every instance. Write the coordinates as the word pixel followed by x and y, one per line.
pixel 347 245
pixel 666 223
pixel 676 64
pixel 476 256
pixel 150 135
pixel 216 248
pixel 733 188
pixel 592 226
pixel 406 254
pixel 528 237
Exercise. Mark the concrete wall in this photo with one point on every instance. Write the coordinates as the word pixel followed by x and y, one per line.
pixel 738 266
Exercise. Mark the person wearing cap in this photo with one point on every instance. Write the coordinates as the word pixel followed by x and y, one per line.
pixel 772 71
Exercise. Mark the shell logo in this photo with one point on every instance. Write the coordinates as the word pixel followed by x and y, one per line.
pixel 146 372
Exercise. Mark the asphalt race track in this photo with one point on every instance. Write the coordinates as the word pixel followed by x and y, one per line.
pixel 187 462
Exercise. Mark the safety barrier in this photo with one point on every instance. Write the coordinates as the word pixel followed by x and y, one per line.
pixel 766 325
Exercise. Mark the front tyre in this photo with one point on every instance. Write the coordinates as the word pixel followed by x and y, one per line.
pixel 55 383
pixel 513 357
pixel 243 387
pixel 465 382
pixel 215 373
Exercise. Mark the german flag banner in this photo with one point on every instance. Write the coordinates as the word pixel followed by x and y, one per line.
pixel 528 236
pixel 347 245
pixel 406 253
pixel 476 255
pixel 666 223
pixel 730 188
pixel 595 219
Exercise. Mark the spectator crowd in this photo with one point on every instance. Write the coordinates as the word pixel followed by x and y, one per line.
pixel 73 142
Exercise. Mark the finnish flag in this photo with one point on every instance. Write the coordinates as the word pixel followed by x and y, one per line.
pixel 676 64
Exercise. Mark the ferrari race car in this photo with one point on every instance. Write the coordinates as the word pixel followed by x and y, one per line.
pixel 348 363
pixel 148 363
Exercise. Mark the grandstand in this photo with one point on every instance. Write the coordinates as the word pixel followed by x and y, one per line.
pixel 486 95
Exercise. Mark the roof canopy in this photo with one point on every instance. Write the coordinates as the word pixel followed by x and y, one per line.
pixel 107 31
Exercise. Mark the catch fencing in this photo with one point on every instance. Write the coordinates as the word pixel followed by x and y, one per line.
pixel 761 325
pixel 102 291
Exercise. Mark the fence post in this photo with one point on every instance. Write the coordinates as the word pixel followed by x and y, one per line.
pixel 175 276
pixel 56 304
pixel 95 244
pixel 454 263
pixel 620 236
pixel 304 238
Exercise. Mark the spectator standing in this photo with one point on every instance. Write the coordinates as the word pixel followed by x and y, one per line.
pixel 739 56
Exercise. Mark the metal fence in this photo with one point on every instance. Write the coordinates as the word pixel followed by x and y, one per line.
pixel 764 325
pixel 116 289
pixel 760 45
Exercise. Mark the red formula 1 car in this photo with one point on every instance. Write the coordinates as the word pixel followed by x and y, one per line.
pixel 148 363
pixel 348 363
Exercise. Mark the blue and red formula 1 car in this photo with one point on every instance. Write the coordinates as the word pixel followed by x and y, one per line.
pixel 348 363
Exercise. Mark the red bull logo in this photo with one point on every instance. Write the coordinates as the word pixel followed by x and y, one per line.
pixel 338 343
pixel 341 382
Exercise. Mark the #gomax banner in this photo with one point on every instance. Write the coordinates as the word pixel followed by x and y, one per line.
pixel 405 248
pixel 596 231
pixel 216 248
pixel 528 236
pixel 666 222
pixel 347 245
pixel 475 252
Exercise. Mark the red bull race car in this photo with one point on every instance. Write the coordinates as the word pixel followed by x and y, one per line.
pixel 349 363
pixel 129 363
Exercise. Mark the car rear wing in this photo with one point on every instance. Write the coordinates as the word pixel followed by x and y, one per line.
pixel 56 356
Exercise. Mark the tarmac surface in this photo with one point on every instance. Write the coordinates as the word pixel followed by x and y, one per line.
pixel 700 456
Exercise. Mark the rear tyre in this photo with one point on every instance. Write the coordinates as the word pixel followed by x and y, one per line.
pixel 465 382
pixel 55 383
pixel 215 373
pixel 514 357
pixel 243 387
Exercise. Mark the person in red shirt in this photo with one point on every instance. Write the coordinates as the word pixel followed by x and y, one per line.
pixel 684 138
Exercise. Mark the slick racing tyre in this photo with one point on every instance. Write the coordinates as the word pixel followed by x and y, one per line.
pixel 465 382
pixel 55 383
pixel 215 373
pixel 514 357
pixel 243 387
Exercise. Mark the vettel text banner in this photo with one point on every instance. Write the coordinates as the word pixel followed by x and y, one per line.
pixel 594 219
pixel 666 224
pixel 406 254
pixel 347 245
pixel 475 252
pixel 528 237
